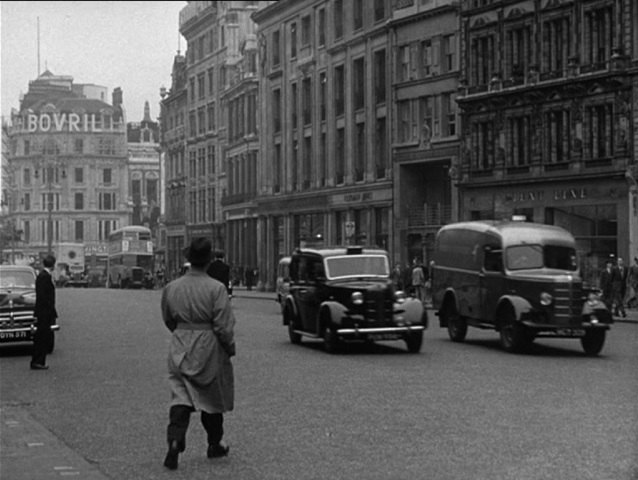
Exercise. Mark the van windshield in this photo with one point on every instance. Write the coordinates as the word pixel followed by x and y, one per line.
pixel 523 257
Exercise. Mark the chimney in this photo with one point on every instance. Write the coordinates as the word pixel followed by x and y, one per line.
pixel 117 97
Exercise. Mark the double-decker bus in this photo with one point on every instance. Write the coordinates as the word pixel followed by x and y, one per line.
pixel 130 258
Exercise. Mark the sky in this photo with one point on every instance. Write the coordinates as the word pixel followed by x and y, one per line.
pixel 126 44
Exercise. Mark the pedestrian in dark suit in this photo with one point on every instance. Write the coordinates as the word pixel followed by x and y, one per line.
pixel 220 270
pixel 619 287
pixel 605 284
pixel 45 314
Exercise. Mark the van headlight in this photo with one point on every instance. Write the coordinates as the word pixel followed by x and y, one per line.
pixel 357 298
pixel 593 299
pixel 546 299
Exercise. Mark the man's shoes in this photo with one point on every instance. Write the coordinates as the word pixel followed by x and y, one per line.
pixel 219 450
pixel 624 315
pixel 172 455
pixel 38 366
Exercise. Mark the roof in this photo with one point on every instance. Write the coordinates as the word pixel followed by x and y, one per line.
pixel 516 232
pixel 341 250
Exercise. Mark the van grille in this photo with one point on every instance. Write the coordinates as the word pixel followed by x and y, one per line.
pixel 568 302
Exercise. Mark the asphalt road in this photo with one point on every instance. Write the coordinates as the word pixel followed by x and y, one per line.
pixel 454 411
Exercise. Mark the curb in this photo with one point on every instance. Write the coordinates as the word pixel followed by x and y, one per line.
pixel 29 451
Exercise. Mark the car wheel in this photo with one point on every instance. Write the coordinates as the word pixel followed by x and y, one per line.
pixel 414 341
pixel 331 340
pixel 456 324
pixel 514 336
pixel 593 341
pixel 295 338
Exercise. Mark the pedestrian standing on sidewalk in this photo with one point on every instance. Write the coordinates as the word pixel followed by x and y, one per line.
pixel 196 309
pixel 45 314
pixel 605 284
pixel 418 280
pixel 220 270
pixel 619 287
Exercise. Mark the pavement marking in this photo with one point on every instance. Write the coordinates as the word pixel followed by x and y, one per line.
pixel 70 473
pixel 35 444
pixel 63 467
pixel 12 423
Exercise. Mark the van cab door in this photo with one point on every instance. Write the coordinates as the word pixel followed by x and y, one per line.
pixel 492 282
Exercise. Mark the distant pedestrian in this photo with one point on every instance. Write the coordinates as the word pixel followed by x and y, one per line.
pixel 619 287
pixel 397 276
pixel 220 270
pixel 418 280
pixel 196 309
pixel 45 314
pixel 605 284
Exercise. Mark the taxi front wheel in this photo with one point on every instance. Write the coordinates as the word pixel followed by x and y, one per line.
pixel 593 341
pixel 414 340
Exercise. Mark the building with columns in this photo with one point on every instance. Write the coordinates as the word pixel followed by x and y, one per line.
pixel 549 101
pixel 67 160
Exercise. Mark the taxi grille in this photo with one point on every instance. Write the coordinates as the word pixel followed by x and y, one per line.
pixel 16 317
pixel 378 306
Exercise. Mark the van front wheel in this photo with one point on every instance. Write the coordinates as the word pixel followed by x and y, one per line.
pixel 514 336
pixel 593 342
pixel 456 324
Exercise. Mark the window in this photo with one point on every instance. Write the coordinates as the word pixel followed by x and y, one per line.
pixel 599 123
pixel 26 176
pixel 599 36
pixel 79 201
pixel 449 49
pixel 201 121
pixel 520 141
pixel 306 31
pixel 106 146
pixel 382 227
pixel 293 105
pixel 360 152
pixel 276 49
pixel 27 147
pixel 482 59
pixel 556 41
pixel 407 124
pixel 27 202
pixel 379 76
pixel 27 231
pixel 357 14
pixel 483 145
pixel 211 117
pixel 306 175
pixel 78 145
pixel 380 152
pixel 294 166
pixel 403 60
pixel 322 160
pixel 293 40
pixel 79 231
pixel 276 110
pixel 104 228
pixel 338 18
pixel 340 158
pixel 277 170
pixel 210 158
pixel 518 51
pixel 358 83
pixel 321 13
pixel 339 84
pixel 191 90
pixel 558 136
pixel 449 105
pixel 201 86
pixel 379 10
pixel 106 176
pixel 307 100
pixel 322 95
pixel 106 201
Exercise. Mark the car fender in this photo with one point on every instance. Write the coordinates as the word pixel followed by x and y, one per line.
pixel 448 296
pixel 519 304
pixel 413 311
pixel 290 308
pixel 335 311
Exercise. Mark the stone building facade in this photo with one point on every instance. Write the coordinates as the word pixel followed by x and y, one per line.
pixel 547 99
pixel 68 164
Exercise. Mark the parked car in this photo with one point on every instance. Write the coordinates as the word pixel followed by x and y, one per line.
pixel 17 304
pixel 345 294
pixel 282 286
pixel 520 279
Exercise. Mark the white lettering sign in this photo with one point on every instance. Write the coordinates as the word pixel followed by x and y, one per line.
pixel 59 122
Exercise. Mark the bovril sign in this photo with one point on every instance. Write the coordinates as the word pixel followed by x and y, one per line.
pixel 65 122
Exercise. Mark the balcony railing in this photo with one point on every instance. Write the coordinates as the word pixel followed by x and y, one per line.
pixel 435 214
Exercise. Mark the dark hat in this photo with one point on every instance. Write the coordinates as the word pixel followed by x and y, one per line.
pixel 199 251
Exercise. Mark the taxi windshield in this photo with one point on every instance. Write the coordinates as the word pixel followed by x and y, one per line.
pixel 524 257
pixel 15 279
pixel 352 266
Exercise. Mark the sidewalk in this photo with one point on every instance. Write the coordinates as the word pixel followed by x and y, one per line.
pixel 28 451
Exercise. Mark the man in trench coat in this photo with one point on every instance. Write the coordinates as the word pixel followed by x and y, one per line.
pixel 197 310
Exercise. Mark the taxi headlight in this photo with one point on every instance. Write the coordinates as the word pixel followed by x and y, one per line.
pixel 29 298
pixel 357 298
pixel 546 299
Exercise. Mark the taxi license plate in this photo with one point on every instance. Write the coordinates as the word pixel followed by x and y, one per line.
pixel 7 336
pixel 570 332
pixel 384 336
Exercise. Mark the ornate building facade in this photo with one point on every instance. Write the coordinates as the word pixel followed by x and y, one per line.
pixel 549 87
pixel 68 164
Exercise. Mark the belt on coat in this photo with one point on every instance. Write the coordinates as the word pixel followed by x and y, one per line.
pixel 194 326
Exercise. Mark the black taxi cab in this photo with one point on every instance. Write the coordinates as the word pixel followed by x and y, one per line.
pixel 17 304
pixel 521 279
pixel 345 294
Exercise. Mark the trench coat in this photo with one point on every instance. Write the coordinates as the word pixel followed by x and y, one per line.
pixel 197 310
